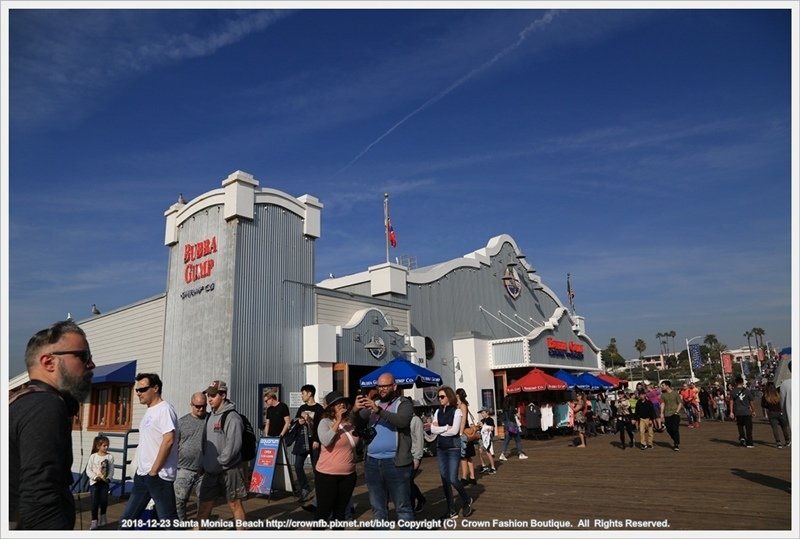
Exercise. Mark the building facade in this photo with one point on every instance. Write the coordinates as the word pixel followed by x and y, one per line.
pixel 241 305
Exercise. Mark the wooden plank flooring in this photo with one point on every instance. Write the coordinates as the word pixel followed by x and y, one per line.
pixel 711 484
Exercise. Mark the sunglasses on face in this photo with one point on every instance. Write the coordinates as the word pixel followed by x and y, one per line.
pixel 142 389
pixel 442 397
pixel 199 406
pixel 84 355
pixel 385 386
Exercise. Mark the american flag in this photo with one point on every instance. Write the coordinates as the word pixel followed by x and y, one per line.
pixel 392 235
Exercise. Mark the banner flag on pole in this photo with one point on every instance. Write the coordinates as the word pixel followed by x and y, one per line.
pixel 727 363
pixel 694 354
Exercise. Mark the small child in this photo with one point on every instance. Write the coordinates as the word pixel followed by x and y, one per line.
pixel 100 470
pixel 487 433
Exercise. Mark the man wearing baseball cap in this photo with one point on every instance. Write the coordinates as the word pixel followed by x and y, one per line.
pixel 221 458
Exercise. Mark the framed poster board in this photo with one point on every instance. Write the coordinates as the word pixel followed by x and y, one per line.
pixel 271 468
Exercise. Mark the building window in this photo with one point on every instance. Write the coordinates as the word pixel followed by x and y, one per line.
pixel 110 407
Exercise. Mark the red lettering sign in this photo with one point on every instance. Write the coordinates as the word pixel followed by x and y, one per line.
pixel 575 347
pixel 199 250
pixel 556 345
pixel 192 252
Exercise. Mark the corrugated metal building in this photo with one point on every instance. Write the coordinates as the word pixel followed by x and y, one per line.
pixel 241 306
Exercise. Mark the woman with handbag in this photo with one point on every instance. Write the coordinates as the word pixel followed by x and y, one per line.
pixel 511 424
pixel 469 434
pixel 447 424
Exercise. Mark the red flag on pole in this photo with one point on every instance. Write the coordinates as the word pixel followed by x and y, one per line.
pixel 392 235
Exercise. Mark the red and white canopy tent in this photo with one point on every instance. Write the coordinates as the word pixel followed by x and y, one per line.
pixel 536 380
pixel 612 380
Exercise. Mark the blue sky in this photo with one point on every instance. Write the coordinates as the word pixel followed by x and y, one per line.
pixel 646 152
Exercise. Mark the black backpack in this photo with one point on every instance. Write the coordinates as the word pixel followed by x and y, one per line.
pixel 249 439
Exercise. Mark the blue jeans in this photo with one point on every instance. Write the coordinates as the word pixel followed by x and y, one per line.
pixel 146 487
pixel 507 439
pixel 691 414
pixel 448 470
pixel 386 481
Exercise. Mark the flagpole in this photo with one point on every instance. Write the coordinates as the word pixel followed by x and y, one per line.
pixel 386 222
pixel 571 295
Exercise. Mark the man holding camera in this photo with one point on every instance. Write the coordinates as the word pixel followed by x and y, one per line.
pixel 388 465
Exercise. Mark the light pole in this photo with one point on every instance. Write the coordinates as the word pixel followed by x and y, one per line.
pixel 689 356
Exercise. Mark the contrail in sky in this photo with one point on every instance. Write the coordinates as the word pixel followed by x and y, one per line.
pixel 523 35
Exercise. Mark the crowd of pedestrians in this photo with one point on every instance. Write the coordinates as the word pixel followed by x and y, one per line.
pixel 201 453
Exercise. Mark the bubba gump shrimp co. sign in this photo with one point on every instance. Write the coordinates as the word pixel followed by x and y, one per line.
pixel 198 264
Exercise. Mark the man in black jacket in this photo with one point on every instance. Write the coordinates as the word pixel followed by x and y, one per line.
pixel 59 365
pixel 645 413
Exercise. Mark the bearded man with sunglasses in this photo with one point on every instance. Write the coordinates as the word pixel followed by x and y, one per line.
pixel 157 456
pixel 40 415
pixel 388 465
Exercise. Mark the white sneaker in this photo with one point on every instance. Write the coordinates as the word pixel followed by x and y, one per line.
pixel 93 525
pixel 503 457
pixel 522 456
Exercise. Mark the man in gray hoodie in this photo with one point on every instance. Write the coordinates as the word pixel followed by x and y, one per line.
pixel 221 458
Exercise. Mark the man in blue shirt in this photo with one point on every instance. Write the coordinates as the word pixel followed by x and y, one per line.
pixel 388 465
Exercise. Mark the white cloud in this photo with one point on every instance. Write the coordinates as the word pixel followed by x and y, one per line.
pixel 62 60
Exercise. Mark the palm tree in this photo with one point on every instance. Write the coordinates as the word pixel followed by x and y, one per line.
pixel 748 335
pixel 673 335
pixel 640 347
pixel 712 342
pixel 759 334
pixel 660 337
pixel 613 351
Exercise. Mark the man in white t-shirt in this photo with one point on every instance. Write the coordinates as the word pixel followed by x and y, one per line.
pixel 157 456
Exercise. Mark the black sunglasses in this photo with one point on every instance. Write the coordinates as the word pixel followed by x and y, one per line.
pixel 84 355
pixel 442 396
pixel 199 406
pixel 141 390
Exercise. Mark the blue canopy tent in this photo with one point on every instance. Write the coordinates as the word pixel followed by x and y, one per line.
pixel 593 382
pixel 124 371
pixel 568 378
pixel 406 375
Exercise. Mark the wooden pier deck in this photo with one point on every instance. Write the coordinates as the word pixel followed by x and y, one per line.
pixel 710 484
